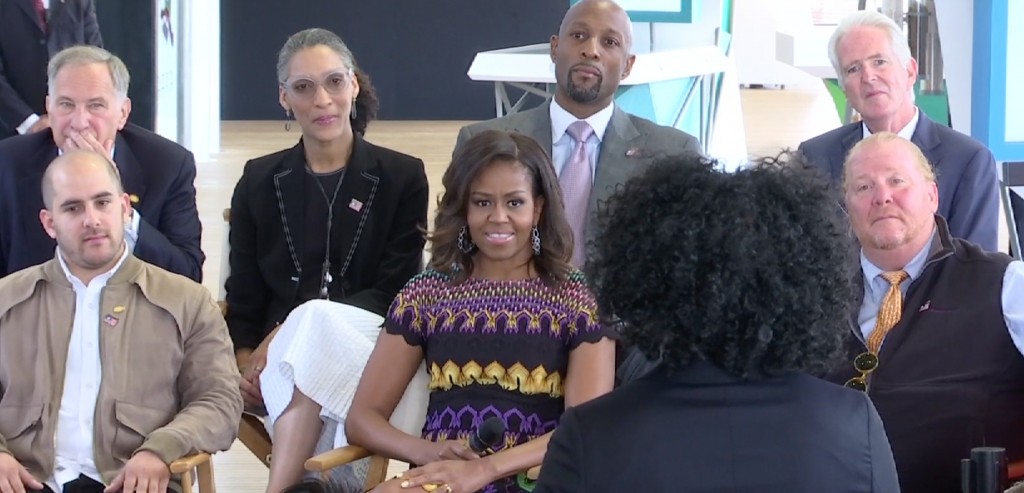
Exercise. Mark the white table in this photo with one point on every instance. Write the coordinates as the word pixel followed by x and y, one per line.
pixel 530 69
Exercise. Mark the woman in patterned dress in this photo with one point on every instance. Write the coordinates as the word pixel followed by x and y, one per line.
pixel 506 326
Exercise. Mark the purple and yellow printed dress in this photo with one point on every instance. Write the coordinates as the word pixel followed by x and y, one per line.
pixel 494 348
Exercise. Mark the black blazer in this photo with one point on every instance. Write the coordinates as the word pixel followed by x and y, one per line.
pixel 703 430
pixel 25 49
pixel 158 172
pixel 965 169
pixel 382 240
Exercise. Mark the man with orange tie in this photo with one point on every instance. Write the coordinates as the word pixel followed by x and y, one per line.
pixel 32 31
pixel 937 340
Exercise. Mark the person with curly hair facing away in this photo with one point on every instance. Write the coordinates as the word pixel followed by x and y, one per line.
pixel 506 325
pixel 739 285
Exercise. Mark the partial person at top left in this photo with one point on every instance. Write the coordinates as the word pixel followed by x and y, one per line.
pixel 32 31
pixel 89 106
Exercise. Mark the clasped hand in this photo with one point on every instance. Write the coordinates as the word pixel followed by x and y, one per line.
pixel 447 463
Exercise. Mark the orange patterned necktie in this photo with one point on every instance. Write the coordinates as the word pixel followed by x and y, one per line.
pixel 890 311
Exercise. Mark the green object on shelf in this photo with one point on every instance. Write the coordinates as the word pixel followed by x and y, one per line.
pixel 838 97
pixel 935 105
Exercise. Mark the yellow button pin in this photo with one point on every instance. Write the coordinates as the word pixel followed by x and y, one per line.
pixel 118 309
pixel 134 198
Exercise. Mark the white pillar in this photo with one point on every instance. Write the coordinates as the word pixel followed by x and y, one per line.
pixel 199 72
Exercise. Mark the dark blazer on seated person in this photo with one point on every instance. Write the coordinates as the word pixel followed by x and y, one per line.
pixel 964 169
pixel 704 430
pixel 158 174
pixel 380 211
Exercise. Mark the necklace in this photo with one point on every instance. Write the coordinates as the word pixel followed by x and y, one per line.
pixel 325 274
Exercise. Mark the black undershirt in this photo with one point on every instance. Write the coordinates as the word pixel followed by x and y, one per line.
pixel 315 231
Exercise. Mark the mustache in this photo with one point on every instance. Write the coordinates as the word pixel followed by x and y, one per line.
pixel 586 65
pixel 95 232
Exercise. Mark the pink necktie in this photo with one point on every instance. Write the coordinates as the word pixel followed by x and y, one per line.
pixel 41 12
pixel 576 182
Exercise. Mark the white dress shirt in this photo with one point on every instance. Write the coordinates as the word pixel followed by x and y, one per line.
pixel 562 143
pixel 906 132
pixel 875 287
pixel 82 376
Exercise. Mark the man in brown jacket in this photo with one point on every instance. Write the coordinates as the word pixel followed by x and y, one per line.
pixel 110 368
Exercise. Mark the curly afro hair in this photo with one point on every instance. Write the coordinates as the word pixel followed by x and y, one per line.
pixel 751 271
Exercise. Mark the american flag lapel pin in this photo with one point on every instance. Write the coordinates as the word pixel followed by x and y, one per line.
pixel 110 320
pixel 355 205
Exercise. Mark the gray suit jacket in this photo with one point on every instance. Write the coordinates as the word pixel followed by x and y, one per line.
pixel 630 144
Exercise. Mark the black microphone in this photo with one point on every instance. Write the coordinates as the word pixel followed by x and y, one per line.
pixel 487 435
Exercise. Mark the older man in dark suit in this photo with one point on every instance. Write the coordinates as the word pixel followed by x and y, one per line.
pixel 89 107
pixel 31 31
pixel 873 63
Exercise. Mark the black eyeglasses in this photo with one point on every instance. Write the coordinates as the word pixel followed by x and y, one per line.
pixel 865 363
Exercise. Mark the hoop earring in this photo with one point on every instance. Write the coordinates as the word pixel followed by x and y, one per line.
pixel 465 244
pixel 287 120
pixel 353 113
pixel 535 239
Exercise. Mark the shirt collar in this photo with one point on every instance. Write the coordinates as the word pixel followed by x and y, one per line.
pixel 913 268
pixel 102 278
pixel 906 132
pixel 561 119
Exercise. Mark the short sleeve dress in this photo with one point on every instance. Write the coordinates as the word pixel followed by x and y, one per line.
pixel 494 348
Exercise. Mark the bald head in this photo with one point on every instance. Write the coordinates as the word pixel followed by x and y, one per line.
pixel 604 8
pixel 78 161
pixel 592 56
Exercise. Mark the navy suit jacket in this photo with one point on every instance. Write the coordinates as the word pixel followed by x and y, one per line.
pixel 26 48
pixel 966 172
pixel 380 214
pixel 701 429
pixel 160 173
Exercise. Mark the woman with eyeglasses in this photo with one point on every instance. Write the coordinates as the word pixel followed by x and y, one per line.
pixel 335 221
pixel 738 284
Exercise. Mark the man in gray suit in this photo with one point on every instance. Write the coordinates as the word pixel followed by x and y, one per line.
pixel 592 55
